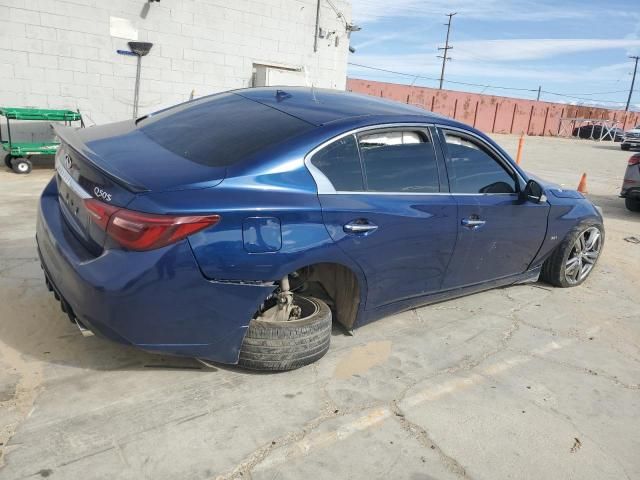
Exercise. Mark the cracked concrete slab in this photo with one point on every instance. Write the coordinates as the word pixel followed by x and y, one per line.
pixel 525 382
pixel 498 432
pixel 390 447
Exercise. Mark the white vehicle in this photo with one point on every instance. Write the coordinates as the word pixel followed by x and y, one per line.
pixel 631 138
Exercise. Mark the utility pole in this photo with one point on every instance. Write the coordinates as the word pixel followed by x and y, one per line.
pixel 633 81
pixel 446 48
pixel 539 91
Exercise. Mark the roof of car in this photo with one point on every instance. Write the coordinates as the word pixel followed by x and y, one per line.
pixel 322 106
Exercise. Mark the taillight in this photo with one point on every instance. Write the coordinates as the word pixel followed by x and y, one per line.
pixel 145 231
pixel 634 160
pixel 100 212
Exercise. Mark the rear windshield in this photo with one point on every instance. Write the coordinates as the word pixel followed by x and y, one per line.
pixel 221 130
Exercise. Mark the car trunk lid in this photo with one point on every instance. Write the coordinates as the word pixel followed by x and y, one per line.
pixel 113 164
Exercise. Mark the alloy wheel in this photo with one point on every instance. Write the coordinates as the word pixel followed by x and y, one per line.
pixel 583 255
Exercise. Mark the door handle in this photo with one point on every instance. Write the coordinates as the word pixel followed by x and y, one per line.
pixel 359 227
pixel 472 223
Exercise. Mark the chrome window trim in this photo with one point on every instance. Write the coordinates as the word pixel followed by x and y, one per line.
pixel 505 161
pixel 325 187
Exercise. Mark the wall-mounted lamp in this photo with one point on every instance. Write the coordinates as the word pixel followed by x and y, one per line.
pixel 352 27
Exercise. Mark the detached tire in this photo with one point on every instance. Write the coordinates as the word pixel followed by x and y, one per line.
pixel 279 346
pixel 632 204
pixel 554 269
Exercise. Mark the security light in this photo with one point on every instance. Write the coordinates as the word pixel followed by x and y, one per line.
pixel 140 48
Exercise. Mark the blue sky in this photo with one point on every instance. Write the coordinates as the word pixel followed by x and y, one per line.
pixel 578 48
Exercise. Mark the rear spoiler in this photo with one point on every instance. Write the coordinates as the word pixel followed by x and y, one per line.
pixel 70 138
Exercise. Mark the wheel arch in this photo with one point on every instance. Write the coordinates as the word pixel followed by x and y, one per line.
pixel 345 286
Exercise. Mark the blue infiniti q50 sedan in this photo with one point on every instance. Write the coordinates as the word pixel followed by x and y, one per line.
pixel 236 227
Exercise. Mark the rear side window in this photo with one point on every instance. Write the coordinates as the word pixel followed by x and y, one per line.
pixel 399 161
pixel 340 163
pixel 473 169
pixel 221 130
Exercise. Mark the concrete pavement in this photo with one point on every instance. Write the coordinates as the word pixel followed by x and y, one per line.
pixel 525 382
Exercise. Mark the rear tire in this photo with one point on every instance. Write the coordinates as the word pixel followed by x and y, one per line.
pixel 554 269
pixel 21 166
pixel 279 346
pixel 7 160
pixel 632 204
pixel 625 147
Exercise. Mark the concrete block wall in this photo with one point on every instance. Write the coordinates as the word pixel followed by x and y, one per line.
pixel 495 114
pixel 62 53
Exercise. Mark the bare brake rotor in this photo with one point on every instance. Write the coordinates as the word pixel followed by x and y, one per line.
pixel 284 310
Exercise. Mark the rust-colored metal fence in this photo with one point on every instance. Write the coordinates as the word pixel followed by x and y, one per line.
pixel 493 114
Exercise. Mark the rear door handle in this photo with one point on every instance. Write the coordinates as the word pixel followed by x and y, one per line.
pixel 359 227
pixel 472 223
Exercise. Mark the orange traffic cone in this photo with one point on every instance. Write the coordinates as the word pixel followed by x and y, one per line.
pixel 520 145
pixel 582 186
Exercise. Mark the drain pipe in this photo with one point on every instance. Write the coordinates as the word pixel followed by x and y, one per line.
pixel 140 49
pixel 315 40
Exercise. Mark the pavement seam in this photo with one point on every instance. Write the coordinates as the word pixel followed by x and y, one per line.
pixel 421 435
pixel 245 467
pixel 585 370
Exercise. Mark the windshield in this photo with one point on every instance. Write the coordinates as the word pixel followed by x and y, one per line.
pixel 220 130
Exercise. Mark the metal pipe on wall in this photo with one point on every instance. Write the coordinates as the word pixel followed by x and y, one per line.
pixel 315 40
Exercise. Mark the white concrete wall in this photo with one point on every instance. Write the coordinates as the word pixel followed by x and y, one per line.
pixel 61 53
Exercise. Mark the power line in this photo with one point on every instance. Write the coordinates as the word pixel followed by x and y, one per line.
pixel 497 87
pixel 446 48
pixel 596 93
pixel 437 79
pixel 338 13
pixel 581 98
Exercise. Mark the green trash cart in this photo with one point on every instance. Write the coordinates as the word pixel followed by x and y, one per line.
pixel 18 154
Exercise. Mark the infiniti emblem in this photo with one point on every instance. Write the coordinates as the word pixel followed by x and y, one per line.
pixel 67 161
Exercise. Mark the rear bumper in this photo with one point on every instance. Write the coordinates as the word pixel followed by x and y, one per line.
pixel 157 300
pixel 633 192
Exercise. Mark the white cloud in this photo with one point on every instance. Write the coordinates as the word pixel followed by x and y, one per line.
pixel 482 71
pixel 523 10
pixel 534 49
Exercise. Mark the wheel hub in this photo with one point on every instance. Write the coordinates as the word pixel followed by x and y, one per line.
pixel 583 255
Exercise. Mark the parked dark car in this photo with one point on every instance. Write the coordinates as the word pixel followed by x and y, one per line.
pixel 598 132
pixel 631 138
pixel 233 228
pixel 631 184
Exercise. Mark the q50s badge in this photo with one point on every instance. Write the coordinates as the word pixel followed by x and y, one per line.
pixel 99 193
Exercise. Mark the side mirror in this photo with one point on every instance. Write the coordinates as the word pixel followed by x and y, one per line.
pixel 533 192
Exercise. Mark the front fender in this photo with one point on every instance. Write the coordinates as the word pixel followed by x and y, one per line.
pixel 568 208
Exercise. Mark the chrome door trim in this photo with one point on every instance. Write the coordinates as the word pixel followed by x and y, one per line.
pixel 348 192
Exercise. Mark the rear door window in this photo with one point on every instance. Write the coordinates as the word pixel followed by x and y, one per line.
pixel 340 163
pixel 401 161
